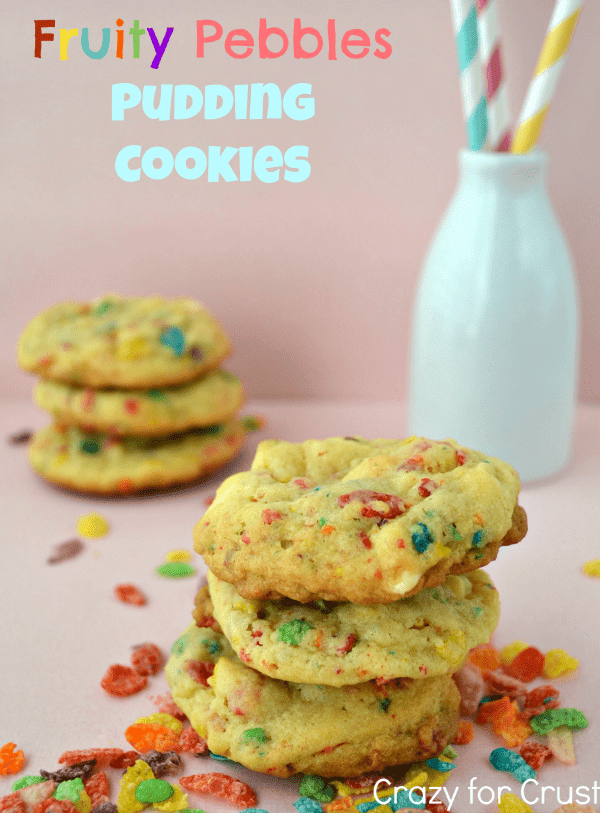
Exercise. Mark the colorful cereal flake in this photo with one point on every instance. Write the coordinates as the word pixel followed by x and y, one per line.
pixel 147 660
pixel 222 786
pixel 92 526
pixel 11 761
pixel 130 594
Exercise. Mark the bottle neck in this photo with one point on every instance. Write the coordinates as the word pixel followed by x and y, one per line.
pixel 518 173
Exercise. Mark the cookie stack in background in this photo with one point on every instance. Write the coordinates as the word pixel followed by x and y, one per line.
pixel 135 392
pixel 344 592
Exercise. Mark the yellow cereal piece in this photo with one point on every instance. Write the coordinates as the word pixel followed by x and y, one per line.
pixel 180 555
pixel 558 662
pixel 442 550
pixel 130 349
pixel 509 803
pixel 60 459
pixel 417 781
pixel 84 803
pixel 592 568
pixel 178 801
pixel 92 526
pixel 510 652
pixel 384 808
pixel 428 777
pixel 126 801
pixel 160 718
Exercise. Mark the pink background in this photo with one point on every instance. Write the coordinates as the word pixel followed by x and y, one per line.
pixel 314 281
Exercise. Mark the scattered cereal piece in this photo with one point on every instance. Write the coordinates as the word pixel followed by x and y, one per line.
pixel 292 632
pixel 159 718
pixel 105 807
pixel 54 806
pixel 11 761
pixel 103 756
pixel 12 803
pixel 558 662
pixel 65 550
pixel 122 681
pixel 222 786
pixel 314 787
pixel 527 665
pixel 152 737
pixel 130 594
pixel 190 742
pixel 592 568
pixel 92 526
pixel 560 743
pixel 150 791
pixel 78 770
pixel 471 686
pixel 73 790
pixel 501 683
pixel 166 704
pixel 33 794
pixel 178 801
pixel 553 718
pixel 97 788
pixel 147 660
pixel 439 764
pixel 464 733
pixel 165 763
pixel 26 781
pixel 127 801
pixel 304 805
pixel 24 436
pixel 510 652
pixel 176 570
pixel 180 555
pixel 504 760
pixel 535 753
pixel 509 803
pixel 485 657
pixel 126 759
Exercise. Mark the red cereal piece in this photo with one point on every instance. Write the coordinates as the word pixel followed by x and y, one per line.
pixel 190 742
pixel 53 805
pixel 427 487
pixel 494 710
pixel 435 807
pixel 346 646
pixel 535 753
pixel 152 737
pixel 12 804
pixel 464 733
pixel 501 683
pixel 200 671
pixel 11 761
pixel 147 660
pixel 395 506
pixel 103 756
pixel 165 704
pixel 125 760
pixel 365 780
pixel 527 665
pixel 130 594
pixel 341 803
pixel 208 621
pixel 222 786
pixel 485 657
pixel 269 516
pixel 122 681
pixel 97 788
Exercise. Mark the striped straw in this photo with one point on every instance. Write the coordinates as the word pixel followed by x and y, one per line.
pixel 497 97
pixel 550 64
pixel 464 18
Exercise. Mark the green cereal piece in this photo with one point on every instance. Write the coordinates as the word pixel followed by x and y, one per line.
pixel 322 521
pixel 179 646
pixel 153 790
pixel 26 781
pixel 213 646
pixel 102 307
pixel 89 446
pixel 176 570
pixel 454 533
pixel 476 611
pixel 156 395
pixel 313 787
pixel 552 718
pixel 70 790
pixel 449 752
pixel 254 734
pixel 251 423
pixel 384 704
pixel 292 632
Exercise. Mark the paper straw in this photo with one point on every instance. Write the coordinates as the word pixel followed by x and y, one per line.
pixel 498 113
pixel 464 18
pixel 550 64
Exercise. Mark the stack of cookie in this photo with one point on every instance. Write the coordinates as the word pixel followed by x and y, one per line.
pixel 135 392
pixel 344 592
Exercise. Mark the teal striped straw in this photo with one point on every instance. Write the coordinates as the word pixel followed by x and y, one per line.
pixel 464 18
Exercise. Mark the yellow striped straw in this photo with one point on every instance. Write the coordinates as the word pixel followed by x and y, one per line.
pixel 547 71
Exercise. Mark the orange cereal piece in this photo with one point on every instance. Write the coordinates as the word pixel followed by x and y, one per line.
pixel 343 803
pixel 504 716
pixel 152 737
pixel 130 594
pixel 12 804
pixel 485 657
pixel 222 786
pixel 147 660
pixel 190 742
pixel 494 710
pixel 527 665
pixel 122 681
pixel 11 761
pixel 464 733
pixel 97 788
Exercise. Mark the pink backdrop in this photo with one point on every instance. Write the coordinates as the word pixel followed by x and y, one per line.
pixel 313 281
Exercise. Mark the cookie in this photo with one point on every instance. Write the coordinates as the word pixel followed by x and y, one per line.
pixel 336 644
pixel 283 728
pixel 207 401
pixel 101 464
pixel 145 342
pixel 348 519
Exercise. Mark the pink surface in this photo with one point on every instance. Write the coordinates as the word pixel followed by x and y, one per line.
pixel 313 281
pixel 61 626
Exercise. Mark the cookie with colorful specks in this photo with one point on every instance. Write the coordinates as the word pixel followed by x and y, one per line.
pixel 204 402
pixel 123 342
pixel 349 519
pixel 336 644
pixel 282 728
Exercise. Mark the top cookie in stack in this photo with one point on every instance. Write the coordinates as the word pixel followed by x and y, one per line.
pixel 135 391
pixel 345 592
